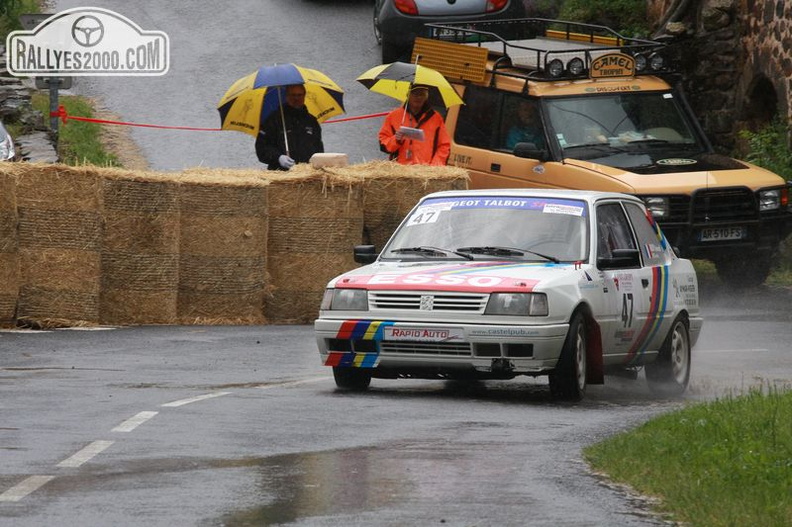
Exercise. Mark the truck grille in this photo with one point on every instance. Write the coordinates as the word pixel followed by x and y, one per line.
pixel 457 349
pixel 428 301
pixel 720 205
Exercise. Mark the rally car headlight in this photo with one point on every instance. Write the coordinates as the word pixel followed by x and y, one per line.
pixel 345 300
pixel 658 206
pixel 769 200
pixel 520 304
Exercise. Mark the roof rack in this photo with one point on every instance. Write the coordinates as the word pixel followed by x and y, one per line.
pixel 552 49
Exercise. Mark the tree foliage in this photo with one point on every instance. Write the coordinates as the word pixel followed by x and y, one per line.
pixel 628 17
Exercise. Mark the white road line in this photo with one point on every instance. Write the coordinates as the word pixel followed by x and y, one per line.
pixel 22 489
pixel 182 402
pixel 86 454
pixel 133 422
pixel 293 383
pixel 743 350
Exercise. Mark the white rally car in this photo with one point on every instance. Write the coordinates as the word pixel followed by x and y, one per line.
pixel 492 284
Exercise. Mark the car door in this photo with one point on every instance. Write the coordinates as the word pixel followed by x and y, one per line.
pixel 626 288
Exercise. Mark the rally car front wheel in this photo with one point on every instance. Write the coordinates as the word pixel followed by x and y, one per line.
pixel 355 379
pixel 568 381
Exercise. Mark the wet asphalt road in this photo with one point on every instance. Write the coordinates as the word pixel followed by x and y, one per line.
pixel 242 426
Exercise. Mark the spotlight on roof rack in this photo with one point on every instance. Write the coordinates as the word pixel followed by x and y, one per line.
pixel 575 66
pixel 656 62
pixel 555 68
pixel 640 62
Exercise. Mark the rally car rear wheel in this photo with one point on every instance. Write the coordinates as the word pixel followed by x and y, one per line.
pixel 670 373
pixel 568 381
pixel 355 379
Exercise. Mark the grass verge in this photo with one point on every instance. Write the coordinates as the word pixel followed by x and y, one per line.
pixel 79 142
pixel 717 464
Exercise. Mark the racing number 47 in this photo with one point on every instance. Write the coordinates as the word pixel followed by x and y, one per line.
pixel 627 309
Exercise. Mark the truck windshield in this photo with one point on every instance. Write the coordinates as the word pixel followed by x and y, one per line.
pixel 487 228
pixel 604 126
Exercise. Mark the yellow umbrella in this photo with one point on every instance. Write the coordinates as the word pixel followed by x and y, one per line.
pixel 251 99
pixel 396 79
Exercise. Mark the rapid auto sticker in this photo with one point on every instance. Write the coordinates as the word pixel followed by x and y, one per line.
pixel 654 318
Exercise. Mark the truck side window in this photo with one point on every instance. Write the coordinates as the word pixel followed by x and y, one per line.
pixel 478 118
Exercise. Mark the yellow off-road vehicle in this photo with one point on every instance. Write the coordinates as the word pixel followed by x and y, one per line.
pixel 609 115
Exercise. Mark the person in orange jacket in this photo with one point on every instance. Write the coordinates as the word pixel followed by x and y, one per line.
pixel 406 147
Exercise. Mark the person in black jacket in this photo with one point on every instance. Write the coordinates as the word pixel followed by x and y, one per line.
pixel 302 131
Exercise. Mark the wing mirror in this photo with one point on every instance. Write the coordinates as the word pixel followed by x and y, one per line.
pixel 530 151
pixel 365 254
pixel 620 259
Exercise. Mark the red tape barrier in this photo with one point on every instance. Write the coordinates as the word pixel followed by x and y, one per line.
pixel 63 115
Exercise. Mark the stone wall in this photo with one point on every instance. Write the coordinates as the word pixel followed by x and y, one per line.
pixel 736 57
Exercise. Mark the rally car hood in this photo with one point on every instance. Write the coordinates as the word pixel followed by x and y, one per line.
pixel 480 276
pixel 684 176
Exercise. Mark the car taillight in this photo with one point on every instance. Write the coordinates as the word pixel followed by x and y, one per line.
pixel 496 5
pixel 406 6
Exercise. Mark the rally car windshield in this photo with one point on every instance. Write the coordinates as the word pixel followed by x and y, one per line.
pixel 616 127
pixel 493 228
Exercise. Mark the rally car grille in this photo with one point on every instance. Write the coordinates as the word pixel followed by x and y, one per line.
pixel 429 301
pixel 457 349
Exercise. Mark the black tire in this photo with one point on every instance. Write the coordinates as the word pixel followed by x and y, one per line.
pixel 354 379
pixel 391 52
pixel 568 381
pixel 669 375
pixel 742 273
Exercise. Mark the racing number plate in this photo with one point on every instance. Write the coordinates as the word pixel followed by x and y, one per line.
pixel 715 234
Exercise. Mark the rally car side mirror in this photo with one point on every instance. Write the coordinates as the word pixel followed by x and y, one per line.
pixel 365 254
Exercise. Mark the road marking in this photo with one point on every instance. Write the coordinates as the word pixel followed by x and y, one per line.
pixel 86 454
pixel 195 399
pixel 293 383
pixel 22 489
pixel 743 350
pixel 133 422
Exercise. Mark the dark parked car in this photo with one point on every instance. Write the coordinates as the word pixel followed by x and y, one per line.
pixel 398 22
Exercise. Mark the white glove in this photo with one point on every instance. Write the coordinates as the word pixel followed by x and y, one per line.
pixel 286 162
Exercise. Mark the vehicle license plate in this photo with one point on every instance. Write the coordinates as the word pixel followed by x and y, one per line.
pixel 721 233
pixel 421 334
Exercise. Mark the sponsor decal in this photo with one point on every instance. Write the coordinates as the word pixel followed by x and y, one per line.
pixel 503 332
pixel 87 41
pixel 676 161
pixel 421 334
pixel 350 359
pixel 612 65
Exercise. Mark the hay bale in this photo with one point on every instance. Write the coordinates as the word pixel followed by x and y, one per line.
pixel 314 221
pixel 59 242
pixel 9 257
pixel 223 247
pixel 140 247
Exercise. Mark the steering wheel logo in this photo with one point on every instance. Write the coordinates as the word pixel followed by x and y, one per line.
pixel 87 31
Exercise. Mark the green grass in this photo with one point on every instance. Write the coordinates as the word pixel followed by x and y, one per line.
pixel 718 464
pixel 78 141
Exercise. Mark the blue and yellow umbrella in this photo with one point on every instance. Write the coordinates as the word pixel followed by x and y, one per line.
pixel 251 99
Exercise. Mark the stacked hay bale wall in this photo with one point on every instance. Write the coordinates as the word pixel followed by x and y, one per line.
pixel 222 250
pixel 93 245
pixel 60 232
pixel 9 249
pixel 140 249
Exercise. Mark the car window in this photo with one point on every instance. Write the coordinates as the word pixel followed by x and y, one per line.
pixel 650 238
pixel 613 230
pixel 478 122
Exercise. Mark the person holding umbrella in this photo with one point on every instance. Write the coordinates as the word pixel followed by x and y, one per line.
pixel 291 134
pixel 414 134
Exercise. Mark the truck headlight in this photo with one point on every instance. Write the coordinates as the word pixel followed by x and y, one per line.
pixel 345 300
pixel 769 200
pixel 519 304
pixel 658 206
